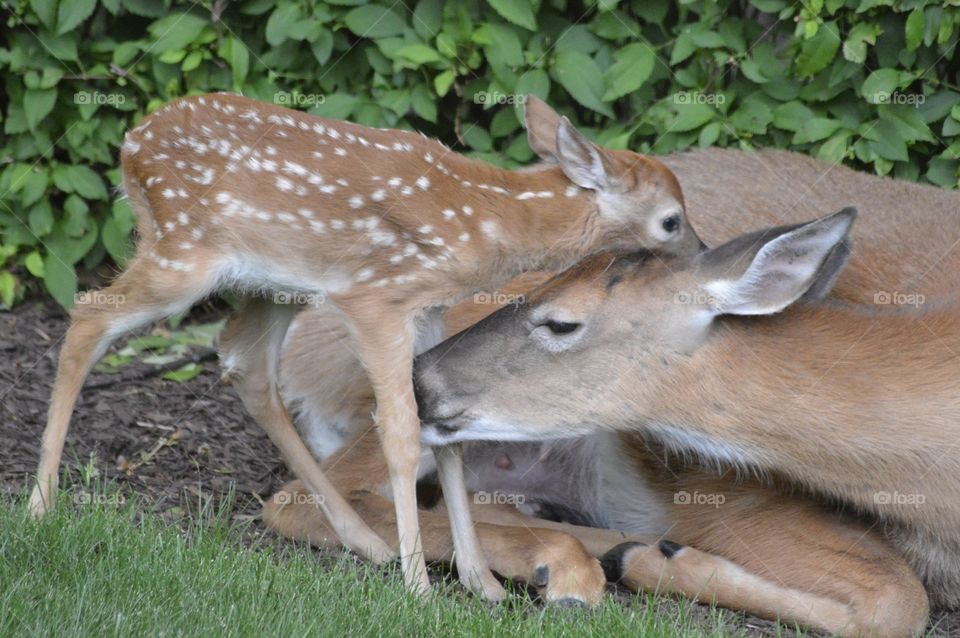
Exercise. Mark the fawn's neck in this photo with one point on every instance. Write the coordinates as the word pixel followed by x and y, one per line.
pixel 533 219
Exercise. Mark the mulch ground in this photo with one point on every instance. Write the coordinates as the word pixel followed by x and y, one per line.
pixel 174 445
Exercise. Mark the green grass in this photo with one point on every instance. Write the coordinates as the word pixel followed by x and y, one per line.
pixel 111 571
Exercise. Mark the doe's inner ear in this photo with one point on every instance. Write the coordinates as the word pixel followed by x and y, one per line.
pixel 789 262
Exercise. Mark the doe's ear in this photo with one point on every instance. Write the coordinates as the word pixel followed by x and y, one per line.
pixel 785 265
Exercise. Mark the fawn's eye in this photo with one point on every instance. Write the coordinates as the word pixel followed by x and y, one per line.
pixel 671 224
pixel 561 327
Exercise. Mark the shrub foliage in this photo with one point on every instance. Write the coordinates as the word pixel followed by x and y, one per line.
pixel 867 82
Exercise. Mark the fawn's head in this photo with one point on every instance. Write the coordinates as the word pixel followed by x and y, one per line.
pixel 637 200
pixel 573 355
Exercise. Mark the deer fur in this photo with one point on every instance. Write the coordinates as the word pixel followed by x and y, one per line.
pixel 386 226
pixel 903 231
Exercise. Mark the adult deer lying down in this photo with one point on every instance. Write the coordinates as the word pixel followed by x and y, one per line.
pixel 613 480
pixel 233 194
pixel 752 546
pixel 858 407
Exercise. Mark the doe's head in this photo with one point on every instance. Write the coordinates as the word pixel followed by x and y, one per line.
pixel 585 348
pixel 638 200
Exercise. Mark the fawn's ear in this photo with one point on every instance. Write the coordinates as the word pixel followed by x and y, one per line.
pixel 784 264
pixel 542 123
pixel 584 163
pixel 556 140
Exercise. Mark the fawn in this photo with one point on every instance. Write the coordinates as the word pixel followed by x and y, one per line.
pixel 386 226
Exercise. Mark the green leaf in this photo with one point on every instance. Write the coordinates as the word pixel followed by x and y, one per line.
pixel 86 183
pixel 116 233
pixel 46 10
pixel 501 44
pixel 753 116
pixel 423 103
pixel 322 47
pixel 816 129
pixel 419 53
pixel 239 62
pixel 72 13
pixel 33 262
pixel 534 82
pixel 40 219
pixel 37 104
pixel 888 141
pixel 880 85
pixel 834 150
pixel 634 64
pixel 75 220
pixel 192 61
pixel 185 373
pixel 913 30
pixel 908 121
pixel 281 23
pixel 752 71
pixel 709 134
pixel 855 46
pixel 792 115
pixel 683 48
pixel 175 31
pixel 428 18
pixel 477 138
pixel 60 280
pixel 442 82
pixel 819 51
pixel 374 21
pixel 34 186
pixel 582 79
pixel 690 114
pixel 8 288
pixel 337 106
pixel 519 12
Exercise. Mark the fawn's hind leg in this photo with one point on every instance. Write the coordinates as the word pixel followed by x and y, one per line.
pixel 250 348
pixel 142 294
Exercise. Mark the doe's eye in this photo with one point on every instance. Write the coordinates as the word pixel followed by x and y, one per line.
pixel 671 224
pixel 561 327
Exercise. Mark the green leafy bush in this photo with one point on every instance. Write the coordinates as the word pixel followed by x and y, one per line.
pixel 867 82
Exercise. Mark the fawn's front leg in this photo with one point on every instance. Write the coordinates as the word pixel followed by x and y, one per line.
pixel 471 563
pixel 385 346
pixel 387 354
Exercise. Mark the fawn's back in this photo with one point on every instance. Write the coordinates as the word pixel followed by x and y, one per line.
pixel 269 197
